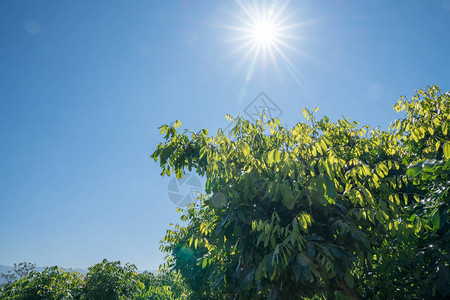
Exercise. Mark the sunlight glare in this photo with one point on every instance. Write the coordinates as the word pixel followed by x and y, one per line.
pixel 264 32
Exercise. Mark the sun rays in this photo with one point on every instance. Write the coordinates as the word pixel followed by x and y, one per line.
pixel 266 34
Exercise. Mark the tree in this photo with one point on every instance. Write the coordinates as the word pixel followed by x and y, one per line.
pixel 109 280
pixel 419 265
pixel 163 286
pixel 20 270
pixel 425 134
pixel 319 209
pixel 105 280
pixel 52 283
pixel 185 254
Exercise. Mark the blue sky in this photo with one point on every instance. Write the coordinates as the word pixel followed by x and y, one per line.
pixel 85 85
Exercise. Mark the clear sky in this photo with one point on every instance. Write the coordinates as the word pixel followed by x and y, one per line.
pixel 85 85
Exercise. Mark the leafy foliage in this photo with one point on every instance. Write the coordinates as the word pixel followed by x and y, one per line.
pixel 164 286
pixel 426 136
pixel 52 283
pixel 110 280
pixel 187 252
pixel 321 209
pixel 20 270
pixel 105 280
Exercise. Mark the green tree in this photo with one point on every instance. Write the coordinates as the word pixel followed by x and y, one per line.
pixel 418 265
pixel 184 254
pixel 52 283
pixel 109 280
pixel 20 270
pixel 322 208
pixel 105 280
pixel 166 285
pixel 425 133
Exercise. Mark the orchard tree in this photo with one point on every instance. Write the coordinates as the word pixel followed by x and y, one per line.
pixel 321 208
pixel 166 285
pixel 425 133
pixel 110 281
pixel 105 280
pixel 52 283
pixel 20 270
pixel 186 253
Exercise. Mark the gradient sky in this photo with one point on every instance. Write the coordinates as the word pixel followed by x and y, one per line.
pixel 85 85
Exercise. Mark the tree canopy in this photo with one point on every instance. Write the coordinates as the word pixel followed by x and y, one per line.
pixel 327 209
pixel 105 280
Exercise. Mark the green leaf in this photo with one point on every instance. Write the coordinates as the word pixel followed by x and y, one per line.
pixel 414 170
pixel 270 268
pixel 384 169
pixel 259 270
pixel 349 280
pixel 397 199
pixel 418 225
pixel 272 276
pixel 276 156
pixel 330 189
pixel 323 145
pixel 447 150
pixel 367 195
pixel 379 171
pixel 286 194
pixel 270 158
pixel 245 149
pixel 307 218
pixel 310 250
pixel 436 220
pixel 303 223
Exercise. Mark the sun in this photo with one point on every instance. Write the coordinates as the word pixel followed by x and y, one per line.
pixel 265 33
